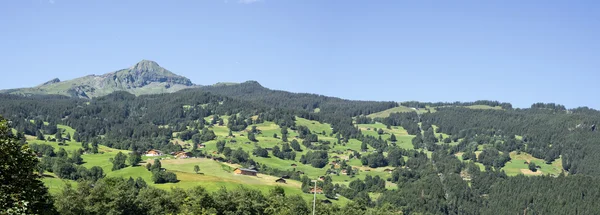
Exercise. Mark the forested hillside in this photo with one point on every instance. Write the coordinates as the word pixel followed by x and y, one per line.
pixel 441 158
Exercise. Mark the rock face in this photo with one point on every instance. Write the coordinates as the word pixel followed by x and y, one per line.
pixel 143 73
pixel 55 80
pixel 145 77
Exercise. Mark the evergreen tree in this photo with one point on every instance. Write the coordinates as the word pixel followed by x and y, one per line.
pixel 393 138
pixel 363 146
pixel 532 167
pixel 58 135
pixel 40 136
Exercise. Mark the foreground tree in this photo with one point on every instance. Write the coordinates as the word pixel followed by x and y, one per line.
pixel 21 191
pixel 119 161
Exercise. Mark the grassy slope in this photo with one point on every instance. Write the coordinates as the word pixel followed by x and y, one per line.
pixel 387 112
pixel 517 165
pixel 401 109
pixel 484 107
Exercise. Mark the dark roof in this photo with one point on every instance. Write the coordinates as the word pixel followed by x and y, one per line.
pixel 281 179
pixel 326 201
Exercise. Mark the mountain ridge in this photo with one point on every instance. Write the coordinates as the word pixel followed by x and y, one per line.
pixel 144 77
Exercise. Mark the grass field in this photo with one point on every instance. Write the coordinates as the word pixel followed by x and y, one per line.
pixel 484 107
pixel 518 166
pixel 387 112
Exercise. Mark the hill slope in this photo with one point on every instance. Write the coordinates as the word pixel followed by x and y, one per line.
pixel 145 77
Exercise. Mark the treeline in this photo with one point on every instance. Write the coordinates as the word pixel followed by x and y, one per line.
pixel 129 196
pixel 253 91
pixel 416 104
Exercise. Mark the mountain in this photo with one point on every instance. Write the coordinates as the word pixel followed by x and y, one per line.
pixel 145 77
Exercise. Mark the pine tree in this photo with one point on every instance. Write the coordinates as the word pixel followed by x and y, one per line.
pixel 39 135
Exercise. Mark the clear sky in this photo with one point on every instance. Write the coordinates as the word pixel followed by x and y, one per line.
pixel 514 51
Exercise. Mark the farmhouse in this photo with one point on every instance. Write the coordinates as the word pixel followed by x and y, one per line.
pixel 242 171
pixel 153 152
pixel 344 172
pixel 322 178
pixel 281 180
pixel 182 155
pixel 201 146
pixel 388 170
pixel 294 165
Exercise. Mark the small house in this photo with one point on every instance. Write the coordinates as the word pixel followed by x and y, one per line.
pixel 300 172
pixel 294 165
pixel 243 171
pixel 280 180
pixel 153 152
pixel 201 146
pixel 326 201
pixel 344 172
pixel 285 177
pixel 319 190
pixel 335 157
pixel 388 170
pixel 322 178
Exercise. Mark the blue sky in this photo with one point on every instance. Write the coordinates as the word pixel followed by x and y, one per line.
pixel 514 51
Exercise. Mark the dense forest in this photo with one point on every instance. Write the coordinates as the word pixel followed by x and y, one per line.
pixel 434 183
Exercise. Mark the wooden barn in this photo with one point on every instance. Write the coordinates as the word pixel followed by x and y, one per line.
pixel 280 180
pixel 242 171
